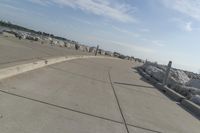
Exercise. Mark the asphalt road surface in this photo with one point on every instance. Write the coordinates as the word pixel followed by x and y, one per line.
pixel 89 96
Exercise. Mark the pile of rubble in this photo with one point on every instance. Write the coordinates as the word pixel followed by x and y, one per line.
pixel 178 80
pixel 64 43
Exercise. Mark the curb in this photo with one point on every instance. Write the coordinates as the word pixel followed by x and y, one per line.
pixel 18 69
pixel 159 86
pixel 169 92
pixel 173 95
pixel 192 107
pixel 147 76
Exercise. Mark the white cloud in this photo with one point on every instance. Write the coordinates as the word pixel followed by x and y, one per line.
pixel 83 21
pixel 134 47
pixel 12 7
pixel 184 25
pixel 15 10
pixel 125 31
pixel 41 2
pixel 188 7
pixel 116 11
pixel 158 43
pixel 188 26
pixel 144 30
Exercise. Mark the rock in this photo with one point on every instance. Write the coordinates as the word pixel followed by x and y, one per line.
pixel 23 36
pixel 115 54
pixel 48 38
pixel 178 80
pixel 193 75
pixel 18 35
pixel 69 45
pixel 155 72
pixel 194 83
pixel 61 43
pixel 92 49
pixel 84 48
pixel 175 77
pixel 32 38
pixel 195 99
pixel 108 53
pixel 127 58
pixel 132 58
pixel 54 42
pixel 102 52
pixel 8 33
pixel 87 48
pixel 178 76
pixel 80 47
pixel 138 60
pixel 122 56
pixel 186 90
pixel 77 46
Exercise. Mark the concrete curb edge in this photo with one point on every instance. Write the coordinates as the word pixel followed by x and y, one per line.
pixel 18 69
pixel 190 106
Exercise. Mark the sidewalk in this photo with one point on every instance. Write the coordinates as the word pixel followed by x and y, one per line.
pixel 87 96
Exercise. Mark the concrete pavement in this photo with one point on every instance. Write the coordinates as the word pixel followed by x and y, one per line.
pixel 88 95
pixel 14 51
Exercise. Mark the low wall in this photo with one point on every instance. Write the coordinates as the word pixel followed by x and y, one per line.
pixel 18 69
pixel 192 107
pixel 173 95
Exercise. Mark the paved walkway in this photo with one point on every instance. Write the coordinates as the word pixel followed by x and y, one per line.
pixel 88 96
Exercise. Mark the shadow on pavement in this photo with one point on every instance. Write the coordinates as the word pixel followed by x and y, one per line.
pixel 133 85
pixel 194 115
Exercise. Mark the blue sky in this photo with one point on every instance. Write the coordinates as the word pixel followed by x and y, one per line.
pixel 157 30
